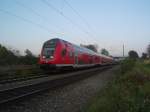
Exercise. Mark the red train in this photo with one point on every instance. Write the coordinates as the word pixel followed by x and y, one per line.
pixel 60 53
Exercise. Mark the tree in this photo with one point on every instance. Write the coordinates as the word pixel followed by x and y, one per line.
pixel 28 53
pixel 133 54
pixel 7 56
pixel 148 50
pixel 104 52
pixel 144 55
pixel 16 52
pixel 29 58
pixel 91 47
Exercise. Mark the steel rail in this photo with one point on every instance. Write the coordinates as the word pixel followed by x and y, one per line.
pixel 10 93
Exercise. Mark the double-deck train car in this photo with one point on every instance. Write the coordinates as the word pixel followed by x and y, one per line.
pixel 60 53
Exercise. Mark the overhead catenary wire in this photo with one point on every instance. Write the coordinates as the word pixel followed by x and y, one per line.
pixel 66 17
pixel 34 12
pixel 38 14
pixel 28 8
pixel 77 13
pixel 83 20
pixel 26 20
pixel 43 18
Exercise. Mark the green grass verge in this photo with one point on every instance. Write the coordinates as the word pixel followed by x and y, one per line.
pixel 128 92
pixel 20 73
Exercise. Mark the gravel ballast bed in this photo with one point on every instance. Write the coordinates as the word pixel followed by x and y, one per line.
pixel 71 98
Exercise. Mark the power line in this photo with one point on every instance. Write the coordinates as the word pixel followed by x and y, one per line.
pixel 81 17
pixel 26 20
pixel 66 17
pixel 62 5
pixel 28 8
pixel 34 12
pixel 76 12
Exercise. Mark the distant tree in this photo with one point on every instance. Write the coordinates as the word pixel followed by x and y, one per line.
pixel 7 56
pixel 133 54
pixel 91 47
pixel 16 52
pixel 104 52
pixel 148 50
pixel 144 55
pixel 29 58
pixel 28 53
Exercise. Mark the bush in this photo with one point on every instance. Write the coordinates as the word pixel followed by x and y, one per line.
pixel 127 65
pixel 7 57
pixel 129 92
pixel 29 60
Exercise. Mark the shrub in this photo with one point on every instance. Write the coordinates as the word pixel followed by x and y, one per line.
pixel 129 92
pixel 7 57
pixel 127 65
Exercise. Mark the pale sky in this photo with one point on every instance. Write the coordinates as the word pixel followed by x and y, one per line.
pixel 107 23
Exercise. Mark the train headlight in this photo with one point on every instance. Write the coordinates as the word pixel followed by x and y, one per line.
pixel 43 57
pixel 51 57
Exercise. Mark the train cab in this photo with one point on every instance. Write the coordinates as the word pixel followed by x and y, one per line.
pixel 56 53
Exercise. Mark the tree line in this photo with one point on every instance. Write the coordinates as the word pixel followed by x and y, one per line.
pixel 145 55
pixel 13 57
pixel 94 47
pixel 132 53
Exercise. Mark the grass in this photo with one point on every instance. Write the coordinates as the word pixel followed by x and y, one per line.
pixel 19 72
pixel 128 92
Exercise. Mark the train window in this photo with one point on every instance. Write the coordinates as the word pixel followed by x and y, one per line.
pixel 51 44
pixel 71 54
pixel 48 52
pixel 64 51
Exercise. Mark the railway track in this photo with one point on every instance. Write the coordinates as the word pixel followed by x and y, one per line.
pixel 15 90
pixel 34 76
pixel 10 76
pixel 37 74
pixel 10 80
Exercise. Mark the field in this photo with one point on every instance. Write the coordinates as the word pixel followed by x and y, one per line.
pixel 128 92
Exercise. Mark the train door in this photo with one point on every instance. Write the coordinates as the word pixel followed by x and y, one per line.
pixel 65 54
pixel 76 58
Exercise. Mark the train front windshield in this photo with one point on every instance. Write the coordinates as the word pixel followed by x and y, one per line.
pixel 49 48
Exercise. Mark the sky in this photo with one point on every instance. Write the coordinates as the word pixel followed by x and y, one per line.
pixel 27 24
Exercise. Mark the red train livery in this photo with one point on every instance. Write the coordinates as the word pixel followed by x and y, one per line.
pixel 60 53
